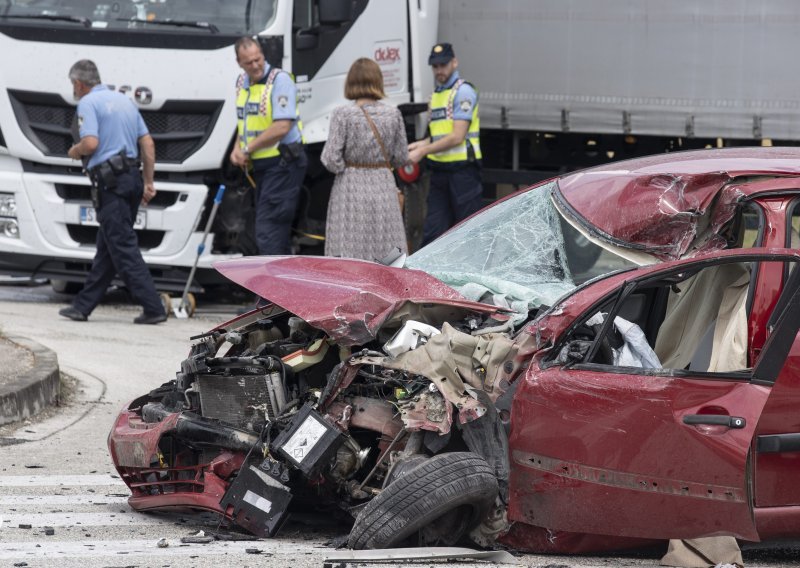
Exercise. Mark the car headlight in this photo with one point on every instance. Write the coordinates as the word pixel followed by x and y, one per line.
pixel 9 227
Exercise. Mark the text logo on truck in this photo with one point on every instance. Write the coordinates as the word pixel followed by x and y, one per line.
pixel 142 95
pixel 389 54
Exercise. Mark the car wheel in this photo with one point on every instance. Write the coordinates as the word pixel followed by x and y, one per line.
pixel 439 500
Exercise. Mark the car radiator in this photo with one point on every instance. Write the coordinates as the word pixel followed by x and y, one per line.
pixel 241 400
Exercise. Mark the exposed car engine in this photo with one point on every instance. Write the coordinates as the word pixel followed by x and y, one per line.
pixel 269 410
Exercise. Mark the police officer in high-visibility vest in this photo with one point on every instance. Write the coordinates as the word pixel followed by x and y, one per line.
pixel 269 138
pixel 453 149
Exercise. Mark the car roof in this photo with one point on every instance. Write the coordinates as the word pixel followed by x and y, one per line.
pixel 660 204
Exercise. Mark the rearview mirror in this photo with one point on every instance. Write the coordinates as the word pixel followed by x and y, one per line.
pixel 335 12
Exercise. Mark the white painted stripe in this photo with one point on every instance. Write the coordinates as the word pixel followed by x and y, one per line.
pixel 32 500
pixel 81 519
pixel 55 480
pixel 118 548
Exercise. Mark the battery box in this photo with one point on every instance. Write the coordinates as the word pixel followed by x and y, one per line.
pixel 259 501
pixel 309 443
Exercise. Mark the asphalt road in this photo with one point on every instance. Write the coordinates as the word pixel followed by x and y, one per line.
pixel 56 473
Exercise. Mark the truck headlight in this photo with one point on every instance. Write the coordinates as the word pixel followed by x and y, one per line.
pixel 9 227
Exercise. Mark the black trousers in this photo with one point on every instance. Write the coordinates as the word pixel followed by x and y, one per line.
pixel 455 194
pixel 278 185
pixel 118 249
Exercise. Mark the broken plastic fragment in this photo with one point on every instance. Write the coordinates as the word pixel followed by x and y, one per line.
pixel 410 336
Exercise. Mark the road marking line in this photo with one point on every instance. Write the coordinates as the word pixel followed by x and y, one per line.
pixel 47 480
pixel 13 520
pixel 31 500
pixel 139 547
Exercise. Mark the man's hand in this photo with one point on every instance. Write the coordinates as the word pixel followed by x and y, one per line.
pixel 418 150
pixel 418 144
pixel 74 152
pixel 416 155
pixel 84 147
pixel 238 158
pixel 149 193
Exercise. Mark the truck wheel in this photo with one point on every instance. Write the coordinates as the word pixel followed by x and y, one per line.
pixel 441 499
pixel 66 286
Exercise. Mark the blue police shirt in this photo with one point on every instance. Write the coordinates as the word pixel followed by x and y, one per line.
pixel 284 102
pixel 114 120
pixel 465 100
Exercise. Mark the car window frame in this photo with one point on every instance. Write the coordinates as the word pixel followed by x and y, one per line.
pixel 758 373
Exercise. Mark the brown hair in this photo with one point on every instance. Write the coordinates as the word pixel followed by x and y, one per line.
pixel 364 80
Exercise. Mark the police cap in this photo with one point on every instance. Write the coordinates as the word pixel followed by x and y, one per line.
pixel 441 53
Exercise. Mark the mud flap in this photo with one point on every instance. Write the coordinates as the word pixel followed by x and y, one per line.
pixel 259 502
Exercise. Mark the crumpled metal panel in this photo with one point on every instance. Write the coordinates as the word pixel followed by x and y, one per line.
pixel 348 299
pixel 664 204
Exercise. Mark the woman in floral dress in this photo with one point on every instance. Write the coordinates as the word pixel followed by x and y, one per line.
pixel 364 217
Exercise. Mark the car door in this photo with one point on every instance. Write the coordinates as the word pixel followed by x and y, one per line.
pixel 660 452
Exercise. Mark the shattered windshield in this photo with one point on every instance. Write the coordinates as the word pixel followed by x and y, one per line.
pixel 234 17
pixel 519 254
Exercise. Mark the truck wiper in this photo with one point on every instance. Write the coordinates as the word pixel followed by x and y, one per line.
pixel 178 23
pixel 52 17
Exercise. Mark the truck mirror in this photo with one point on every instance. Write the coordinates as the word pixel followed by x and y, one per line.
pixel 304 40
pixel 335 12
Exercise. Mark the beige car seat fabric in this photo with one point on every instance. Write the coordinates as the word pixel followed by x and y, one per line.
pixel 718 296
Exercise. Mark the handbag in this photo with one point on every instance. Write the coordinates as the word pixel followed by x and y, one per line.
pixel 401 198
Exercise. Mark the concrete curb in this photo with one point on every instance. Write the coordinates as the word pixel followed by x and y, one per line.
pixel 30 392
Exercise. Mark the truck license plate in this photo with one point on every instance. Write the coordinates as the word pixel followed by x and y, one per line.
pixel 89 217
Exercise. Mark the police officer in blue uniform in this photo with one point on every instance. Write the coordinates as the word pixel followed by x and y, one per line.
pixel 269 137
pixel 113 136
pixel 453 148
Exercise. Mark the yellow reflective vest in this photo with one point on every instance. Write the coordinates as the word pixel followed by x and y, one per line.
pixel 254 113
pixel 441 124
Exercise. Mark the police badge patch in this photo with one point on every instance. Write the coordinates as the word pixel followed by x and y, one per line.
pixel 283 101
pixel 465 105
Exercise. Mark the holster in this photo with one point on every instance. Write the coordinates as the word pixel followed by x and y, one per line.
pixel 290 152
pixel 104 175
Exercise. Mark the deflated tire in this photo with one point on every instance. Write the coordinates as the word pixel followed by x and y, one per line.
pixel 453 490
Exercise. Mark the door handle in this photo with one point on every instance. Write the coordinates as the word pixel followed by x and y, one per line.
pixel 715 420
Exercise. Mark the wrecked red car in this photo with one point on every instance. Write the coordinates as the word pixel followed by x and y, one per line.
pixel 600 361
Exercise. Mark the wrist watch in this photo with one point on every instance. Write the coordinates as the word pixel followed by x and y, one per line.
pixel 246 150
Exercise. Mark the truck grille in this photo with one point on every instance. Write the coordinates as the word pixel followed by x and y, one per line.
pixel 241 400
pixel 87 235
pixel 179 128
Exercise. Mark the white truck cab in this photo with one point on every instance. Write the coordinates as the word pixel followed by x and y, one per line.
pixel 175 59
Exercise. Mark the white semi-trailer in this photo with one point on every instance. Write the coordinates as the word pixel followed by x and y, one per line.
pixel 563 85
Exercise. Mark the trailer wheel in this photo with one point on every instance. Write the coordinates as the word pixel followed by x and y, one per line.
pixel 440 500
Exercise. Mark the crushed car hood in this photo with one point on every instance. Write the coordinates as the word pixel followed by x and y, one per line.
pixel 348 299
pixel 671 205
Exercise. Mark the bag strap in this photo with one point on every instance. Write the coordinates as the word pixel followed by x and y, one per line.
pixel 378 138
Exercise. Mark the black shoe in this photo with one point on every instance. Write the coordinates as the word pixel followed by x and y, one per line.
pixel 150 318
pixel 72 314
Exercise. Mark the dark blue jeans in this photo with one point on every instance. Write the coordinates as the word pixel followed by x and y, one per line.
pixel 455 194
pixel 278 185
pixel 118 249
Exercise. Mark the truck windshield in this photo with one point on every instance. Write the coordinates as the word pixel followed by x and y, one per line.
pixel 230 17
